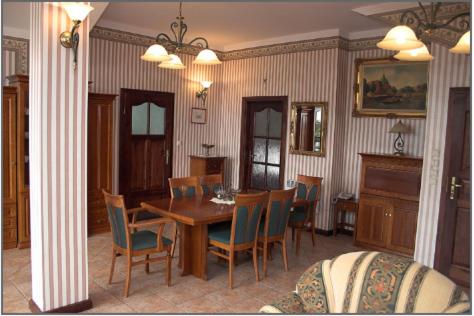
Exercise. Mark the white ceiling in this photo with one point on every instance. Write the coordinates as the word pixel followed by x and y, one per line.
pixel 233 25
pixel 229 25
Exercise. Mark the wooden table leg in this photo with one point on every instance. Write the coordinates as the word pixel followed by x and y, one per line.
pixel 194 251
pixel 336 215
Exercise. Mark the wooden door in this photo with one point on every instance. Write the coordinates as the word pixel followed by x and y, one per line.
pixel 264 143
pixel 454 240
pixel 402 229
pixel 373 221
pixel 99 159
pixel 146 142
pixel 9 202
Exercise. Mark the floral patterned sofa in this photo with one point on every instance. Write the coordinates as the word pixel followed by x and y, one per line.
pixel 372 282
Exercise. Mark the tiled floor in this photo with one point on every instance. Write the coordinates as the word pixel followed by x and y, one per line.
pixel 149 294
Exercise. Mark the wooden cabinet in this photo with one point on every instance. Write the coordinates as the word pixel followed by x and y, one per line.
pixel 99 160
pixel 388 205
pixel 9 201
pixel 203 165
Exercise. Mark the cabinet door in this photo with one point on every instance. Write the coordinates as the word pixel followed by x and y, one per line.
pixel 372 221
pixel 403 220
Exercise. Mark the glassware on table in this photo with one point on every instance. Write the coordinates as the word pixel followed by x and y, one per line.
pixel 220 192
pixel 290 183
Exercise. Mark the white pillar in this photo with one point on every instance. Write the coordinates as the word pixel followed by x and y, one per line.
pixel 58 162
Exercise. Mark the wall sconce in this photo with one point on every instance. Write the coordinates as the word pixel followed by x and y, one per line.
pixel 77 12
pixel 202 94
pixel 399 143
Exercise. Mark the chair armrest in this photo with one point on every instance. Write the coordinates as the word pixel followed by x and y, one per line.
pixel 135 210
pixel 300 202
pixel 289 304
pixel 150 222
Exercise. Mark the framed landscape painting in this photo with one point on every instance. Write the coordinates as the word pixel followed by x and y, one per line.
pixel 391 88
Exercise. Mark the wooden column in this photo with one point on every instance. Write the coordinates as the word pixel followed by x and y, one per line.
pixel 58 160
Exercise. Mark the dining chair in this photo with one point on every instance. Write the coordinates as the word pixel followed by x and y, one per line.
pixel 241 234
pixel 273 229
pixel 308 191
pixel 183 187
pixel 137 243
pixel 210 183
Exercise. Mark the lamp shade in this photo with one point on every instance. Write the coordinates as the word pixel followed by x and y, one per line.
pixel 77 11
pixel 400 128
pixel 207 57
pixel 417 54
pixel 174 63
pixel 400 38
pixel 464 44
pixel 156 53
pixel 206 84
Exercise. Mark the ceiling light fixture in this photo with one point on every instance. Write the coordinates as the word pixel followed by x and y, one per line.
pixel 157 52
pixel 410 42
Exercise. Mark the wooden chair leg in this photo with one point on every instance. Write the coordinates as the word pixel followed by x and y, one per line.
pixel 112 267
pixel 265 255
pixel 174 242
pixel 255 262
pixel 292 234
pixel 147 265
pixel 313 234
pixel 283 253
pixel 129 275
pixel 231 268
pixel 168 268
pixel 298 241
pixel 270 254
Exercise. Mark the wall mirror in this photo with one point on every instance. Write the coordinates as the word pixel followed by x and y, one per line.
pixel 308 128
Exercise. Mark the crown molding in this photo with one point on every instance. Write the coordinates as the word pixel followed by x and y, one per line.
pixel 448 36
pixel 20 47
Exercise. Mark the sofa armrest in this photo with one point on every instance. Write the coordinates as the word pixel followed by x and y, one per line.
pixel 289 304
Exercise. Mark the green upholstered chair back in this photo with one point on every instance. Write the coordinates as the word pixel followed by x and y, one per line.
pixel 308 188
pixel 118 219
pixel 210 183
pixel 246 219
pixel 185 187
pixel 278 212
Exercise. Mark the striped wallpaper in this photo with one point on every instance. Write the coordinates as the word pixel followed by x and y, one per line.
pixel 58 151
pixel 446 70
pixel 8 65
pixel 115 65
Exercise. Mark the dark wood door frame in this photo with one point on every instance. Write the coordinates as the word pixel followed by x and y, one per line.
pixel 244 135
pixel 441 241
pixel 137 96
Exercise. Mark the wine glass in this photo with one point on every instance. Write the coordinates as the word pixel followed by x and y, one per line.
pixel 220 192
pixel 290 183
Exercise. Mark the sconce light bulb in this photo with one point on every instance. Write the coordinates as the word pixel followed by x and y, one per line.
pixel 77 11
pixel 206 84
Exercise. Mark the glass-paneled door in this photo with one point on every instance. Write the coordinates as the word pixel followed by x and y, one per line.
pixel 146 133
pixel 265 145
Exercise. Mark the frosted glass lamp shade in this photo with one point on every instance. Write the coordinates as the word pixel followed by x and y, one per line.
pixel 156 53
pixel 206 84
pixel 174 63
pixel 399 128
pixel 77 11
pixel 207 57
pixel 464 44
pixel 400 38
pixel 417 54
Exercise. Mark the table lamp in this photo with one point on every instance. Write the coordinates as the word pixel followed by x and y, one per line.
pixel 399 129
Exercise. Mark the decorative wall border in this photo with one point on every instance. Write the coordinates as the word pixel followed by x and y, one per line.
pixel 275 49
pixel 21 47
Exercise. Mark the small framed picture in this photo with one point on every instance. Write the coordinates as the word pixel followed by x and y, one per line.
pixel 198 116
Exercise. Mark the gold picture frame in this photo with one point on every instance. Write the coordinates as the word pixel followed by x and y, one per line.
pixel 294 129
pixel 387 87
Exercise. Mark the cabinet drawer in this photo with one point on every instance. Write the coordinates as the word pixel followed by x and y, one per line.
pixel 347 206
pixel 9 222
pixel 9 235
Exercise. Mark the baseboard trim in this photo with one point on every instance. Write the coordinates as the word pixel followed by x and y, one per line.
pixel 68 309
pixel 330 232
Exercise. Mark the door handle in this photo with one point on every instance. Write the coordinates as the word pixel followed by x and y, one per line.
pixel 453 186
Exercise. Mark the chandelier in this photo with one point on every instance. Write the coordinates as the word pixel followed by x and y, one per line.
pixel 158 53
pixel 410 43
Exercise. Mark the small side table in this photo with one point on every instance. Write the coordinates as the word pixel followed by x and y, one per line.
pixel 344 206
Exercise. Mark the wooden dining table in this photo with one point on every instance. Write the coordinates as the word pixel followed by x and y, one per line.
pixel 194 214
